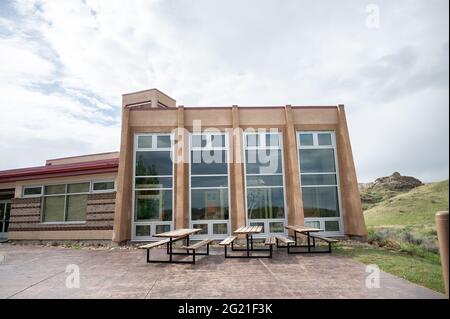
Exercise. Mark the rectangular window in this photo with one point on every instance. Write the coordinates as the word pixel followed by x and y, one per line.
pixel 319 180
pixel 103 186
pixel 152 185
pixel 209 192
pixel 265 202
pixel 65 202
pixel 32 191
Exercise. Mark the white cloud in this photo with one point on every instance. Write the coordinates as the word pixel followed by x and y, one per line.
pixel 69 62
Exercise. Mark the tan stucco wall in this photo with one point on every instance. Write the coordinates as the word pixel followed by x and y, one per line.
pixel 61 235
pixel 287 119
pixel 9 185
pixel 82 158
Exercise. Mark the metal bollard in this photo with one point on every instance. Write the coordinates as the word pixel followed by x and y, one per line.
pixel 442 232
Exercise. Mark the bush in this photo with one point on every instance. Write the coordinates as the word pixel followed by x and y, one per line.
pixel 406 239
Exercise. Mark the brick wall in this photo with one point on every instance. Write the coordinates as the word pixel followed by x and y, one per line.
pixel 26 215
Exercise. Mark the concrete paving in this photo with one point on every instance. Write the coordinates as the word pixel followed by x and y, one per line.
pixel 28 271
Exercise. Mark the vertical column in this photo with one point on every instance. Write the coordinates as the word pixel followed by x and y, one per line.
pixel 292 174
pixel 181 179
pixel 122 213
pixel 238 217
pixel 353 216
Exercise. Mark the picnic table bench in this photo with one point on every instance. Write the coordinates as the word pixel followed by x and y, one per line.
pixel 248 231
pixel 304 230
pixel 175 235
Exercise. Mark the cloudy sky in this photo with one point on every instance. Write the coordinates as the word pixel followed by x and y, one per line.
pixel 65 64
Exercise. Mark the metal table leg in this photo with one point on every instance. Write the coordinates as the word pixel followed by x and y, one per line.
pixel 309 242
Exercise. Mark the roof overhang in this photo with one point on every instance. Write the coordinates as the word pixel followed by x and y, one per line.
pixel 61 170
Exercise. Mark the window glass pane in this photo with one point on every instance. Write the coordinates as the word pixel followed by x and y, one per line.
pixel 203 227
pixel 2 211
pixel 161 229
pixel 252 139
pixel 1 227
pixel 265 180
pixel 197 141
pixel 27 191
pixel 272 140
pixel 154 182
pixel 276 227
pixel 312 223
pixel 54 209
pixel 220 229
pixel 103 186
pixel 209 204
pixel 78 188
pixel 319 179
pixel 153 163
pixel 306 140
pixel 163 141
pixel 317 160
pixel 154 205
pixel 145 141
pixel 208 162
pixel 265 203
pixel 258 224
pixel 218 140
pixel 142 230
pixel 324 138
pixel 263 161
pixel 76 207
pixel 55 189
pixel 331 225
pixel 320 201
pixel 209 181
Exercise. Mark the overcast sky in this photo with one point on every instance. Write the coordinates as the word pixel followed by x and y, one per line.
pixel 65 64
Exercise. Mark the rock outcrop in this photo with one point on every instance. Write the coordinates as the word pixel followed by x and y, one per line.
pixel 397 182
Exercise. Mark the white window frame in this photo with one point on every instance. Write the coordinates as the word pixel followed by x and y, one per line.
pixel 280 147
pixel 154 148
pixel 32 186
pixel 103 181
pixel 209 147
pixel 65 194
pixel 316 145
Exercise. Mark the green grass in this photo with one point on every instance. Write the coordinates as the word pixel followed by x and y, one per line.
pixel 418 270
pixel 414 208
pixel 402 233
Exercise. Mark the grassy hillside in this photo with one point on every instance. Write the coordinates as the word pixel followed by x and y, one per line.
pixel 415 208
pixel 402 232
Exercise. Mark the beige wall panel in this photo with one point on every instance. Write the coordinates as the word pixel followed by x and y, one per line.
pixel 61 235
pixel 315 116
pixel 261 117
pixel 83 158
pixel 208 117
pixel 9 185
pixel 163 117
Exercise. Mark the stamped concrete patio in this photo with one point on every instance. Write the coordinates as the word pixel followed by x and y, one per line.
pixel 28 271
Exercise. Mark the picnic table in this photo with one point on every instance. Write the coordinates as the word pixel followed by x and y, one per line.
pixel 305 230
pixel 248 231
pixel 175 235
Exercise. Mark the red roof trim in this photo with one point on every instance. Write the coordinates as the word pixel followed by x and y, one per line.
pixel 60 170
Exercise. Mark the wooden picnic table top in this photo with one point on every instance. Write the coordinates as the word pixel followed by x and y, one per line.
pixel 248 230
pixel 181 232
pixel 302 229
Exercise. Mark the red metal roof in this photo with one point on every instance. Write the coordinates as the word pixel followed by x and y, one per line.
pixel 59 170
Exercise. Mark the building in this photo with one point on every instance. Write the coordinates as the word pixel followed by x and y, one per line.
pixel 214 168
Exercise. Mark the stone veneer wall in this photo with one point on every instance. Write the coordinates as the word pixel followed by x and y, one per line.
pixel 26 215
